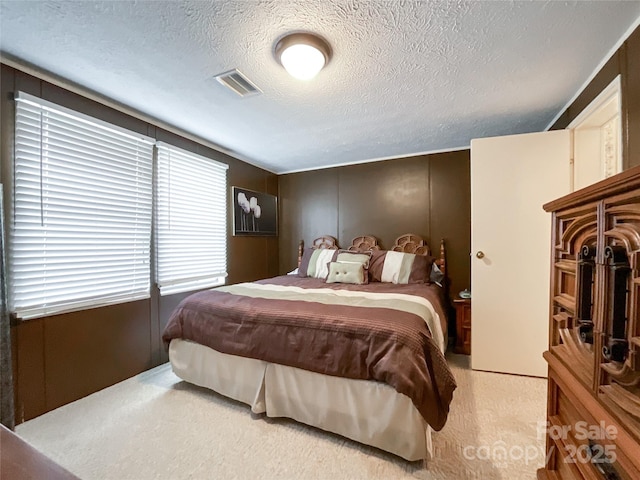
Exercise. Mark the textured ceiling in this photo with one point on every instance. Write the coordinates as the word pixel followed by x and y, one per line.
pixel 406 76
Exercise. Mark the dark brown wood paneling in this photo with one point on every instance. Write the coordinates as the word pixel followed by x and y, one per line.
pixel 385 199
pixel 89 350
pixel 272 243
pixel 253 265
pixel 450 207
pixel 25 82
pixel 29 380
pixel 250 254
pixel 428 195
pixel 308 209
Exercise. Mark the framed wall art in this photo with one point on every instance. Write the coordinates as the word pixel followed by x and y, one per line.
pixel 254 213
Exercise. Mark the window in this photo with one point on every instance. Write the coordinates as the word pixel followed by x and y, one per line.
pixel 191 221
pixel 81 211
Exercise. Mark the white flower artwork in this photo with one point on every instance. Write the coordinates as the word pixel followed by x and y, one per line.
pixel 255 213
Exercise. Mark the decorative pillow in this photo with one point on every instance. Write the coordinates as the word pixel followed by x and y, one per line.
pixel 399 267
pixel 354 257
pixel 347 272
pixel 314 262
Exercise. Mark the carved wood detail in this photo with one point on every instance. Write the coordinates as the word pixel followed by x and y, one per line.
pixel 326 241
pixel 412 243
pixel 622 373
pixel 628 235
pixel 365 243
pixel 620 359
pixel 576 232
pixel 573 284
pixel 594 318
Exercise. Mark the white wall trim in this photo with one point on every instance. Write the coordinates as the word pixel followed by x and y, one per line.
pixel 615 87
pixel 371 160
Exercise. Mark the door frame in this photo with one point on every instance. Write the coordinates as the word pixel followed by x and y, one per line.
pixel 610 96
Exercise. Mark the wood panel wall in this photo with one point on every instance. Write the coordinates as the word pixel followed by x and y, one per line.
pixel 427 195
pixel 62 358
pixel 626 63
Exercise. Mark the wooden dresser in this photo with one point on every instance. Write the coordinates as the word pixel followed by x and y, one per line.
pixel 593 424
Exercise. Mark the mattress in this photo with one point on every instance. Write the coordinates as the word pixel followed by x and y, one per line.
pixel 366 411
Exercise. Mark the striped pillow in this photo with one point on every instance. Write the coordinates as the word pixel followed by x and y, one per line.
pixel 399 267
pixel 314 262
pixel 345 256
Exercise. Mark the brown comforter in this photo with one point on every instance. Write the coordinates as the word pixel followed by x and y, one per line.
pixel 380 337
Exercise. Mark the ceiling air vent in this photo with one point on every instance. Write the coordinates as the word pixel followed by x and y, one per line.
pixel 236 81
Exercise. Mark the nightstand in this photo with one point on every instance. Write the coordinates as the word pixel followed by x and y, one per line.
pixel 463 325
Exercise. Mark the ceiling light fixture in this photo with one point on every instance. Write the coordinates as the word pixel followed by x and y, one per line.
pixel 303 55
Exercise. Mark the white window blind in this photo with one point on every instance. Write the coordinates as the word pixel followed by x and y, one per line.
pixel 191 221
pixel 82 203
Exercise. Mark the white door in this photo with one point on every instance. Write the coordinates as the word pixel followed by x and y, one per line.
pixel 511 178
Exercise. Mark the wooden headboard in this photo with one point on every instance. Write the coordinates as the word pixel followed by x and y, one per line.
pixel 411 243
pixel 326 241
pixel 364 243
pixel 407 243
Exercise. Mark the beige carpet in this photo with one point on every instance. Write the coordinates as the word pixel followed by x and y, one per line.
pixel 155 426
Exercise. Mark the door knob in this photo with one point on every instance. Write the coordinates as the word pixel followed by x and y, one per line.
pixel 480 254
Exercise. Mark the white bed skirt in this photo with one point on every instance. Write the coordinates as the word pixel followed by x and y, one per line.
pixel 365 411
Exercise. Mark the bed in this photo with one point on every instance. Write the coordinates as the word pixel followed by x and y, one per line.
pixel 362 361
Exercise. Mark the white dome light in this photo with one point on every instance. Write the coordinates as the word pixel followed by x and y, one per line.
pixel 302 61
pixel 302 55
